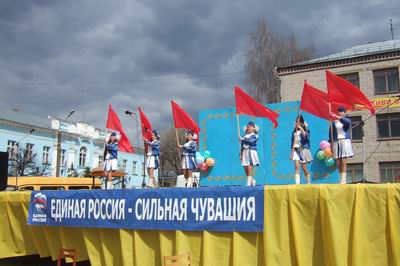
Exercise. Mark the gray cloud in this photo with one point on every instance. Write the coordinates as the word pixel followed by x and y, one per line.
pixel 59 55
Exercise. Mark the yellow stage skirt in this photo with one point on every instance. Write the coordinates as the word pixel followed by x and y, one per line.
pixel 303 225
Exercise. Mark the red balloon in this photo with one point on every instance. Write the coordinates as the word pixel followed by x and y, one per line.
pixel 203 167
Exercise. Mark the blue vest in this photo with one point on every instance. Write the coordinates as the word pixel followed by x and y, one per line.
pixel 112 149
pixel 346 128
pixel 250 141
pixel 189 148
pixel 155 147
pixel 304 140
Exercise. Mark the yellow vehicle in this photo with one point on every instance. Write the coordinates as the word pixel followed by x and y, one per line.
pixel 52 183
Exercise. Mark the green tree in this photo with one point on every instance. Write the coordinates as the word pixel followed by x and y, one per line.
pixel 87 172
pixel 71 171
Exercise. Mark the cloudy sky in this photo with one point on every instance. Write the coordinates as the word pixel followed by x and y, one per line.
pixel 61 55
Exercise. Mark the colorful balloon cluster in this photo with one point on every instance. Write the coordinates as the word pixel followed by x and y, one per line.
pixel 325 153
pixel 204 161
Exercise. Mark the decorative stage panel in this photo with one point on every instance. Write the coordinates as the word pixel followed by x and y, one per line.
pixel 303 225
pixel 219 136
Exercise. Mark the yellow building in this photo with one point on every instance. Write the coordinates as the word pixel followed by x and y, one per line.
pixel 374 68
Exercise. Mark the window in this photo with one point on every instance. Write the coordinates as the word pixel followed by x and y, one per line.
pixel 356 132
pixel 11 148
pixel 388 125
pixel 82 156
pixel 101 160
pixel 29 150
pixel 134 168
pixel 45 157
pixel 124 164
pixel 62 157
pixel 354 172
pixel 353 78
pixel 390 172
pixel 386 80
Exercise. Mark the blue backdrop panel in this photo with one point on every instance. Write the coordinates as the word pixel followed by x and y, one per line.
pixel 219 136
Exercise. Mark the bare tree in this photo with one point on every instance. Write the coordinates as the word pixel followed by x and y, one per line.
pixel 265 51
pixel 169 157
pixel 24 163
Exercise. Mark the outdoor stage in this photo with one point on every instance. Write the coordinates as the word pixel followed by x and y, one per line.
pixel 303 225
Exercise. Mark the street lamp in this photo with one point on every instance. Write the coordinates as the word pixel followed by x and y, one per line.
pixel 133 114
pixel 59 144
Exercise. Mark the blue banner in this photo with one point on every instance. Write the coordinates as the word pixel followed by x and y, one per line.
pixel 197 209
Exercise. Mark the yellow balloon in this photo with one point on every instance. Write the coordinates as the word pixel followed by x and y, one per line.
pixel 210 162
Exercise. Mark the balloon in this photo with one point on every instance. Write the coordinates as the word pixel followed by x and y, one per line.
pixel 328 152
pixel 198 154
pixel 203 167
pixel 324 144
pixel 210 162
pixel 206 154
pixel 199 159
pixel 329 162
pixel 320 155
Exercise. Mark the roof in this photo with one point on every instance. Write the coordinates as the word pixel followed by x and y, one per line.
pixel 22 117
pixel 355 51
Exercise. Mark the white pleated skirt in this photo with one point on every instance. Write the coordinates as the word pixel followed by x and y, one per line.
pixel 342 148
pixel 250 157
pixel 110 165
pixel 188 163
pixel 152 161
pixel 302 155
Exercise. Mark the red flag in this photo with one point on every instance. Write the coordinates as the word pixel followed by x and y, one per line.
pixel 146 126
pixel 245 104
pixel 182 119
pixel 315 101
pixel 344 92
pixel 114 123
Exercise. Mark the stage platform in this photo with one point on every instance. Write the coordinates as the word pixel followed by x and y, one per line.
pixel 303 225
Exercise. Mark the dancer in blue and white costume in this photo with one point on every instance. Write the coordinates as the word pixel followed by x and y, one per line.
pixel 300 153
pixel 248 152
pixel 342 148
pixel 111 158
pixel 188 162
pixel 153 151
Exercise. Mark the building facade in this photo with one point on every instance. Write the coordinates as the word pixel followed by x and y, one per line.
pixel 374 68
pixel 82 145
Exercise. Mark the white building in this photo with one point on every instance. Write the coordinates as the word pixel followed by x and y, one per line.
pixel 82 145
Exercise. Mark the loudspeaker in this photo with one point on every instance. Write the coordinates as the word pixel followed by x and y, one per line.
pixel 3 170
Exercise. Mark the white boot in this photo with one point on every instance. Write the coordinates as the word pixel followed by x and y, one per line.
pixel 308 178
pixel 189 182
pixel 109 185
pixel 343 178
pixel 297 178
pixel 253 181
pixel 195 182
pixel 249 180
pixel 152 183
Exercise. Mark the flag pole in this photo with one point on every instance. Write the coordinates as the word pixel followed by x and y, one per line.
pixel 144 165
pixel 177 142
pixel 238 130
pixel 330 124
pixel 238 124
